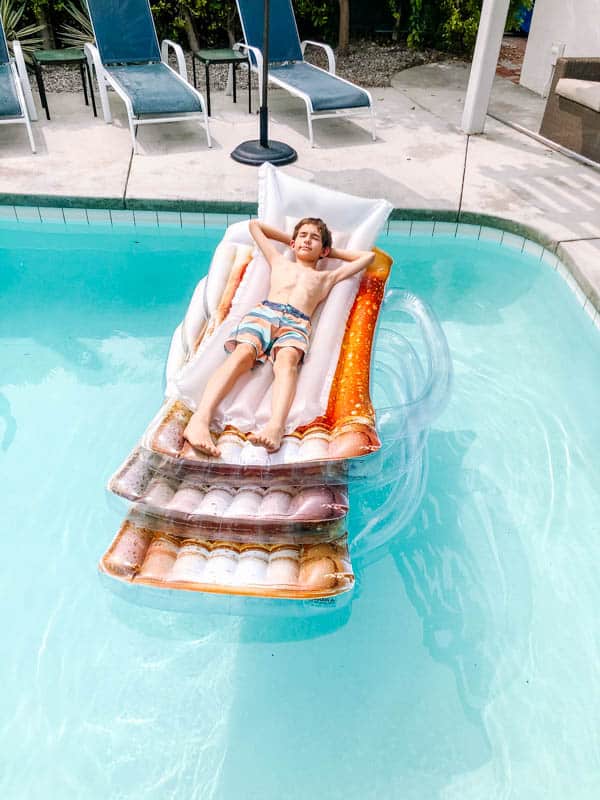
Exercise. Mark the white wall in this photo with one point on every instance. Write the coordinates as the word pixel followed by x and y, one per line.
pixel 574 22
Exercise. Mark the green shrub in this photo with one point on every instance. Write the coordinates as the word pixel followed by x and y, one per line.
pixel 77 29
pixel 17 25
pixel 449 25
pixel 452 25
pixel 317 19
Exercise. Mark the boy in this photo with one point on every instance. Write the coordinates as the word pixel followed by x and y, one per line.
pixel 278 328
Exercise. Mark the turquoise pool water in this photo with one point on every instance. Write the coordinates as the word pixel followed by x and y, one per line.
pixel 467 665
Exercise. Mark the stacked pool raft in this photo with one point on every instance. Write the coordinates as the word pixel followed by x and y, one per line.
pixel 274 525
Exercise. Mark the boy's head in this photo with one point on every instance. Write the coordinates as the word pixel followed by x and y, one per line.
pixel 311 239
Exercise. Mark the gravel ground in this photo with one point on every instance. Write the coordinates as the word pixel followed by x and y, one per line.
pixel 366 63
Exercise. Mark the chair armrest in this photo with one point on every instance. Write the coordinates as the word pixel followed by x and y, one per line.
pixel 164 54
pixel 93 58
pixel 328 50
pixel 258 57
pixel 585 69
pixel 24 79
pixel 250 51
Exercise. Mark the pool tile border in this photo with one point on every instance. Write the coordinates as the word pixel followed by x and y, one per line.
pixel 141 218
pixel 506 239
pixel 75 216
pixel 120 216
pixel 28 214
pixel 143 214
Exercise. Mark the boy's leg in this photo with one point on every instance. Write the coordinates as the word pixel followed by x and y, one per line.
pixel 285 380
pixel 219 385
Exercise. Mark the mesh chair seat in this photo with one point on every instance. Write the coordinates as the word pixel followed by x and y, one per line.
pixel 9 103
pixel 326 91
pixel 153 89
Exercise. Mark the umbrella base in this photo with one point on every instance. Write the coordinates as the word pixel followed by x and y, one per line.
pixel 254 154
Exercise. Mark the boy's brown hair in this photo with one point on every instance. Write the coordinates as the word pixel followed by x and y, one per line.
pixel 318 223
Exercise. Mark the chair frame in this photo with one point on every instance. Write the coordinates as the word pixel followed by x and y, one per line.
pixel 311 114
pixel 105 79
pixel 23 90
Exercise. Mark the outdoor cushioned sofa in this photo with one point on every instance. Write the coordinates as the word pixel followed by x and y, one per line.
pixel 572 114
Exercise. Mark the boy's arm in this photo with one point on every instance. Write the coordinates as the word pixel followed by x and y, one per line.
pixel 357 260
pixel 264 236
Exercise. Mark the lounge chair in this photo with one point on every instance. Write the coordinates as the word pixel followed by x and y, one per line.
pixel 128 58
pixel 16 100
pixel 324 94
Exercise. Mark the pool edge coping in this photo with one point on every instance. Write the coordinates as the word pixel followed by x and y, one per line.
pixel 231 207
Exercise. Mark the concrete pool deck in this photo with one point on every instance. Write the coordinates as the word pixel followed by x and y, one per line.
pixel 421 162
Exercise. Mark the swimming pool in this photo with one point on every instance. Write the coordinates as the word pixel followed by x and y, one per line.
pixel 467 663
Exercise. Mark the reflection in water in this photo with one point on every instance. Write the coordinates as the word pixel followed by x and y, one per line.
pixel 106 361
pixel 186 614
pixel 465 572
pixel 82 299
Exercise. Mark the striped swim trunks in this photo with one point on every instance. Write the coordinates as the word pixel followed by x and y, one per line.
pixel 270 326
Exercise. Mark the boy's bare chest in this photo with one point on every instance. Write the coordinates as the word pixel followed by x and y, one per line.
pixel 291 276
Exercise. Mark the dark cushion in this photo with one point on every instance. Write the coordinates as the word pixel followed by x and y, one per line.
pixel 124 31
pixel 3 46
pixel 9 103
pixel 284 42
pixel 154 89
pixel 327 92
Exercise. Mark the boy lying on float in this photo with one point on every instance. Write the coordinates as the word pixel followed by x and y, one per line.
pixel 279 328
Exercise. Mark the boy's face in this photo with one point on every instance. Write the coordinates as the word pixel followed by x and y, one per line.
pixel 308 245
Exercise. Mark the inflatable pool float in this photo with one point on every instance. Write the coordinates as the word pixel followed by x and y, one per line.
pixel 254 524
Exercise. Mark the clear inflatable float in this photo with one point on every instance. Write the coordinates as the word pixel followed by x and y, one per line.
pixel 254 524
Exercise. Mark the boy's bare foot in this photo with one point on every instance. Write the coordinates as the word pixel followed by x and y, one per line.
pixel 198 435
pixel 268 437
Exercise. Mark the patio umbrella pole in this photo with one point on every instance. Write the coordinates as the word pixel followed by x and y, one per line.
pixel 256 152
